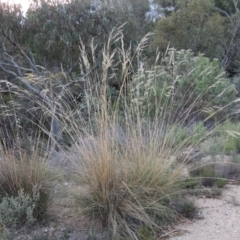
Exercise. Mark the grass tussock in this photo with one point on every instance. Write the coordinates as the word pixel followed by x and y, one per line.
pixel 127 180
pixel 126 158
pixel 124 161
pixel 28 174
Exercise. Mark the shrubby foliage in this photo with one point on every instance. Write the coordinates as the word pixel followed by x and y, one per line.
pixel 194 25
pixel 227 137
pixel 18 211
pixel 183 84
pixel 24 174
pixel 230 7
pixel 206 26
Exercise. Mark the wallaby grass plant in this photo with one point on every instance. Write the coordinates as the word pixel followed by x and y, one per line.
pixel 122 188
pixel 126 162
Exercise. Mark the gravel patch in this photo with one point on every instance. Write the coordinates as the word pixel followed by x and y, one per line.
pixel 220 218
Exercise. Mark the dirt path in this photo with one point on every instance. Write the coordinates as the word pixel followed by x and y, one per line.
pixel 221 218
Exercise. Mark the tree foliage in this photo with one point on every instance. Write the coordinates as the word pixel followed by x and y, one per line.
pixel 206 26
pixel 229 6
pixel 195 25
pixel 51 32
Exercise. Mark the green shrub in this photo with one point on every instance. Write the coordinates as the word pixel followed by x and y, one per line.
pixel 7 235
pixel 230 170
pixel 198 133
pixel 225 139
pixel 191 183
pixel 185 86
pixel 207 175
pixel 193 25
pixel 231 133
pixel 178 136
pixel 18 211
pixel 220 183
pixel 212 146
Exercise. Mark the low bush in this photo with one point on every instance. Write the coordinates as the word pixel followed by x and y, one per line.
pixel 208 176
pixel 224 139
pixel 187 87
pixel 24 186
pixel 230 170
pixel 185 207
pixel 18 211
pixel 230 132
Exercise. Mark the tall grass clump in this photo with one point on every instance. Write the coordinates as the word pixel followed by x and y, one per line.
pixel 126 156
pixel 127 182
pixel 25 186
pixel 21 172
pixel 25 179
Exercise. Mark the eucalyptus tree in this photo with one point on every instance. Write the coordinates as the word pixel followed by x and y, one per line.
pixel 193 25
pixel 208 26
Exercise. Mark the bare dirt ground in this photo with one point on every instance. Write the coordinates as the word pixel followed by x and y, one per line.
pixel 220 218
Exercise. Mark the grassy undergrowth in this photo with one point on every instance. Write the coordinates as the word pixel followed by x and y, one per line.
pixel 25 187
pixel 126 164
pixel 228 138
pixel 126 184
pixel 130 176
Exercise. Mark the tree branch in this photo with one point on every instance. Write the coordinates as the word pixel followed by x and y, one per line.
pixel 223 12
pixel 8 71
pixel 30 60
pixel 82 79
pixel 55 132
